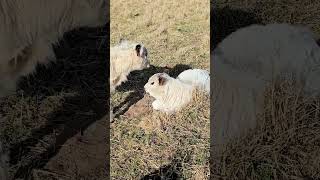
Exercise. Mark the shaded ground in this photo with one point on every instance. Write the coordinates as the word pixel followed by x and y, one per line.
pixel 83 156
pixel 285 145
pixel 57 103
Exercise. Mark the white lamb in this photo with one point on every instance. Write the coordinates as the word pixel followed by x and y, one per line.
pixel 199 78
pixel 250 58
pixel 171 94
pixel 124 58
pixel 29 28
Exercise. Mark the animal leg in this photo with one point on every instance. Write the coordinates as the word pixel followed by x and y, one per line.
pixel 157 105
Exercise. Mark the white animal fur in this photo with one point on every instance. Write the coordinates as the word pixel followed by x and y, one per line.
pixel 198 78
pixel 246 61
pixel 171 94
pixel 29 28
pixel 124 58
pixel 33 27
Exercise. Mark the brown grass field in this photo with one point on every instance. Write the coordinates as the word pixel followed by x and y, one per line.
pixel 285 145
pixel 149 144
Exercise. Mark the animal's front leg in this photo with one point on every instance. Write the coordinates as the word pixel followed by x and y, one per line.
pixel 24 61
pixel 123 78
pixel 112 88
pixel 157 105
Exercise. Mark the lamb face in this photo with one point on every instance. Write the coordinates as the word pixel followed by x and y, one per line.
pixel 125 58
pixel 156 85
pixel 140 57
pixel 170 94
pixel 138 54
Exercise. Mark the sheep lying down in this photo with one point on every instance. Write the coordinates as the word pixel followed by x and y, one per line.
pixel 248 60
pixel 196 77
pixel 173 94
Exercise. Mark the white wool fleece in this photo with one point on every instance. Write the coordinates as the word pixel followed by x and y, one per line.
pixel 247 60
pixel 29 28
pixel 170 94
pixel 199 78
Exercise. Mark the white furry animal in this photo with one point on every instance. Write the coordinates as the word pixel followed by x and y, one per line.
pixel 250 58
pixel 126 57
pixel 199 78
pixel 171 94
pixel 29 28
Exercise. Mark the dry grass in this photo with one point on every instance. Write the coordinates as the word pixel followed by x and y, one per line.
pixel 142 145
pixel 177 35
pixel 285 145
pixel 34 121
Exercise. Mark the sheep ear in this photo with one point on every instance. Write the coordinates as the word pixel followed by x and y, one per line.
pixel 162 80
pixel 138 49
pixel 121 40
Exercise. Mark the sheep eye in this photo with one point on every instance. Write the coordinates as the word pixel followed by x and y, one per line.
pixel 152 83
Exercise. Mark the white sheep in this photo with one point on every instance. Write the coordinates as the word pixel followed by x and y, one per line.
pixel 171 94
pixel 250 58
pixel 199 78
pixel 126 57
pixel 28 30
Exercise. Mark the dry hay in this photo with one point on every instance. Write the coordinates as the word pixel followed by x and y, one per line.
pixel 154 144
pixel 285 145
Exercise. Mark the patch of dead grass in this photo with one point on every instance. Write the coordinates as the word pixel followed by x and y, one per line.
pixel 175 32
pixel 283 146
pixel 141 145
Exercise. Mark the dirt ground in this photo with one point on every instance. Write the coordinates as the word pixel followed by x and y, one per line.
pixel 83 156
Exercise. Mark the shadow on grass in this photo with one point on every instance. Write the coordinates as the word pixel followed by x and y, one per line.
pixel 226 20
pixel 171 171
pixel 136 82
pixel 81 68
pixel 223 22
